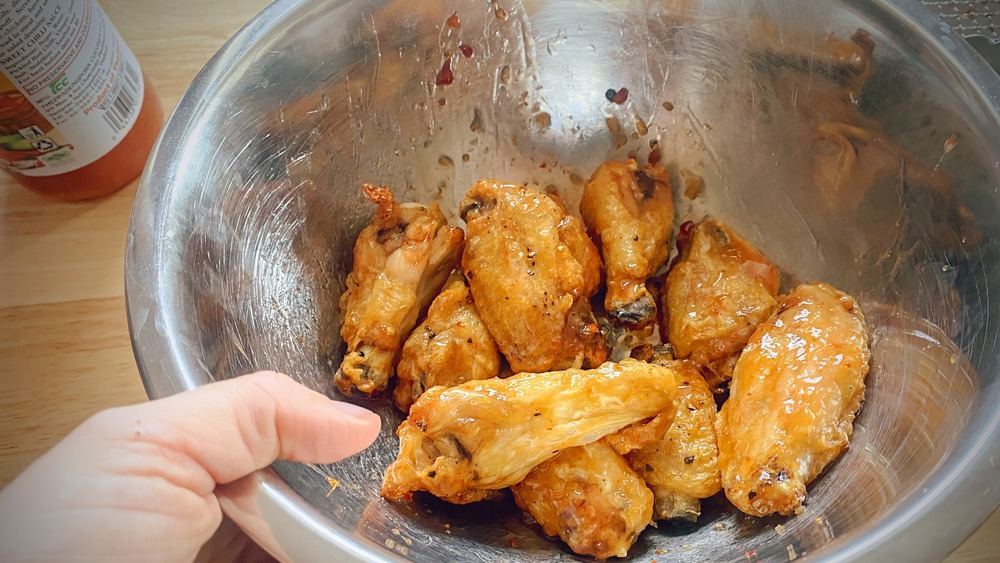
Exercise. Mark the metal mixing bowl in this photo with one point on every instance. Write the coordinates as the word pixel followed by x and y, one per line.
pixel 243 226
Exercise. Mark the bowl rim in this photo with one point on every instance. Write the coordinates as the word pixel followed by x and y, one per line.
pixel 920 529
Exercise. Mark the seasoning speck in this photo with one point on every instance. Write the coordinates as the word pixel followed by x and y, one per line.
pixel 333 485
pixel 621 96
pixel 616 131
pixel 668 106
pixel 453 21
pixel 693 184
pixel 654 156
pixel 610 94
pixel 477 121
pixel 466 50
pixel 950 142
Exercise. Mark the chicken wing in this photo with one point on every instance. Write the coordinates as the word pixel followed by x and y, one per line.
pixel 451 346
pixel 459 443
pixel 590 498
pixel 401 261
pixel 532 270
pixel 796 390
pixel 682 467
pixel 630 212
pixel 719 290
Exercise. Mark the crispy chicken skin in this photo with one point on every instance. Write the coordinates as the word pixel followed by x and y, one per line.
pixel 682 467
pixel 532 270
pixel 630 213
pixel 796 390
pixel 459 443
pixel 719 290
pixel 590 498
pixel 401 261
pixel 451 346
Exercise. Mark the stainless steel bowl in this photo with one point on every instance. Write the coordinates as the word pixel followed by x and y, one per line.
pixel 242 231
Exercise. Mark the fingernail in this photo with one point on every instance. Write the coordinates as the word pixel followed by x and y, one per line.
pixel 354 411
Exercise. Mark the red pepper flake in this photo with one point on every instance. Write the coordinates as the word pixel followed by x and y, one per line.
pixel 684 236
pixel 686 228
pixel 514 542
pixel 442 102
pixel 465 49
pixel 654 156
pixel 620 96
pixel 453 21
pixel 445 76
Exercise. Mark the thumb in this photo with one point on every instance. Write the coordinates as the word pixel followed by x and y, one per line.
pixel 235 427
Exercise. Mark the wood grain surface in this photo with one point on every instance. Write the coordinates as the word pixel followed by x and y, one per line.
pixel 64 344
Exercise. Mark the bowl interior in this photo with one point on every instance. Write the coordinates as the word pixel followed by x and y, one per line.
pixel 242 234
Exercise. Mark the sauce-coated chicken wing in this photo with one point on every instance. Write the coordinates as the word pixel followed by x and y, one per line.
pixel 460 443
pixel 451 346
pixel 401 261
pixel 682 467
pixel 590 498
pixel 796 390
pixel 630 212
pixel 532 270
pixel 719 290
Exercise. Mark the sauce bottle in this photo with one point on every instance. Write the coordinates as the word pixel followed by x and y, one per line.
pixel 77 115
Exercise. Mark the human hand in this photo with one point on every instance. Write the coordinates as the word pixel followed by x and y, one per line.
pixel 142 483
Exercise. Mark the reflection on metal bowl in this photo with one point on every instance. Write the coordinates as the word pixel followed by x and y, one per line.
pixel 243 226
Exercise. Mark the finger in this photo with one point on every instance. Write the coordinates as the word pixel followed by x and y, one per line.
pixel 234 427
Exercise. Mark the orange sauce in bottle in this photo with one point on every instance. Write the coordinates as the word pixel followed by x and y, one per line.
pixel 78 116
pixel 113 171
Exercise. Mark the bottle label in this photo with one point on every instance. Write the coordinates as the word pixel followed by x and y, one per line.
pixel 73 88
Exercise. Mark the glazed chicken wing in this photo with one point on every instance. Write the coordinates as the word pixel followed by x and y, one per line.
pixel 796 390
pixel 590 498
pixel 719 290
pixel 451 346
pixel 532 270
pixel 630 212
pixel 682 467
pixel 401 260
pixel 462 442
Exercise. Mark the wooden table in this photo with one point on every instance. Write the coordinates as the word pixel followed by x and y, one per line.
pixel 64 344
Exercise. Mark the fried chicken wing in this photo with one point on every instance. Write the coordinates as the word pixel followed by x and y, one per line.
pixel 451 346
pixel 532 270
pixel 590 498
pixel 796 390
pixel 401 261
pixel 630 212
pixel 719 290
pixel 682 467
pixel 460 443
